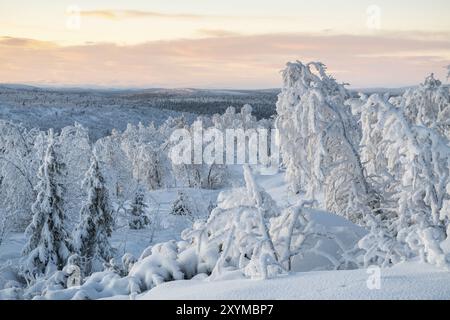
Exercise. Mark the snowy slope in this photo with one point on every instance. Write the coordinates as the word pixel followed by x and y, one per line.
pixel 412 280
pixel 404 281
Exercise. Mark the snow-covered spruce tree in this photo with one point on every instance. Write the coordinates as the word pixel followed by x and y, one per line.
pixel 412 163
pixel 182 206
pixel 91 237
pixel 319 139
pixel 139 218
pixel 48 246
pixel 428 105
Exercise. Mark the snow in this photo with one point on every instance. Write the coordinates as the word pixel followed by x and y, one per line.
pixel 404 281
pixel 360 212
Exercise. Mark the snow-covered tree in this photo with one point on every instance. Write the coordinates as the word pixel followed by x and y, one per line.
pixel 319 140
pixel 200 173
pixel 6 222
pixel 183 205
pixel 428 105
pixel 147 151
pixel 117 168
pixel 73 271
pixel 19 162
pixel 91 237
pixel 74 150
pixel 412 165
pixel 48 246
pixel 139 218
pixel 236 234
pixel 231 119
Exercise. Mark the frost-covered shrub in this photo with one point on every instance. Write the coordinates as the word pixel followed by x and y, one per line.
pixel 380 246
pixel 73 271
pixel 99 285
pixel 160 265
pixel 305 242
pixel 11 283
pixel 236 233
pixel 123 267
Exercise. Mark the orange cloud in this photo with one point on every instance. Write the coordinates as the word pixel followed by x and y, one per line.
pixel 217 33
pixel 231 61
pixel 25 43
pixel 124 14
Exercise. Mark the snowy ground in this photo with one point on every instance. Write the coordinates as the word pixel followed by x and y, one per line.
pixel 412 280
pixel 125 240
pixel 404 281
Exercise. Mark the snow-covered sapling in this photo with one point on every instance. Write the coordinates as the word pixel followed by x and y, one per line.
pixel 92 234
pixel 139 218
pixel 182 206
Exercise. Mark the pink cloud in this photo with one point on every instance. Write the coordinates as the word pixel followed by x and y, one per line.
pixel 227 61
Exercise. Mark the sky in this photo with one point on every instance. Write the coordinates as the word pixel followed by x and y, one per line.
pixel 220 44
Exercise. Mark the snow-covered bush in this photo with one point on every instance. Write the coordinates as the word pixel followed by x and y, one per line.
pixel 159 265
pixel 99 285
pixel 305 242
pixel 236 234
pixel 380 246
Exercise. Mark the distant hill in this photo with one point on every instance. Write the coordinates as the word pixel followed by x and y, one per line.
pixel 104 109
